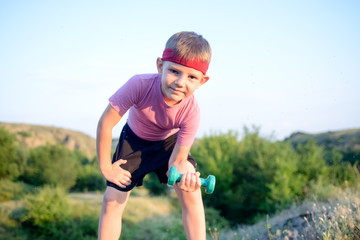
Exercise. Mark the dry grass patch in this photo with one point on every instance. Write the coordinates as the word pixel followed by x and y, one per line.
pixel 140 207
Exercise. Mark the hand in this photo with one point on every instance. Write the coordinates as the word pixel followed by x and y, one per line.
pixel 190 182
pixel 118 175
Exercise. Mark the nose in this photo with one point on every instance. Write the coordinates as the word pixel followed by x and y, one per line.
pixel 181 80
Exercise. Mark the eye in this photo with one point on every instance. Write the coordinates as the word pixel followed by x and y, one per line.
pixel 192 77
pixel 173 71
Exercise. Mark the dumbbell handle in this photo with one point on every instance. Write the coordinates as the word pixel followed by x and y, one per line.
pixel 203 180
pixel 208 183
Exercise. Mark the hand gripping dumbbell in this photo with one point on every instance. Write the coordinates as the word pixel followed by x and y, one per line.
pixel 208 183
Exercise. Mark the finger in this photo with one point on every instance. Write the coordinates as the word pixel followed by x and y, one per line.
pixel 125 182
pixel 120 185
pixel 188 179
pixel 183 182
pixel 193 181
pixel 126 179
pixel 127 174
pixel 122 161
pixel 198 183
pixel 119 162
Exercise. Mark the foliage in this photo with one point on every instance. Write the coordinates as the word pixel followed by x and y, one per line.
pixel 32 136
pixel 49 214
pixel 151 182
pixel 10 190
pixel 256 176
pixel 89 178
pixel 47 205
pixel 340 219
pixel 344 144
pixel 51 164
pixel 12 158
pixel 215 220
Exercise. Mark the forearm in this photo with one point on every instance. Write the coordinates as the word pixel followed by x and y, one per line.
pixel 104 137
pixel 179 156
pixel 103 146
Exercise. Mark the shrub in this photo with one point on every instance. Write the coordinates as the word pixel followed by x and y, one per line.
pixel 89 178
pixel 51 164
pixel 11 157
pixel 48 205
pixel 151 182
pixel 256 175
pixel 10 190
pixel 215 220
pixel 49 215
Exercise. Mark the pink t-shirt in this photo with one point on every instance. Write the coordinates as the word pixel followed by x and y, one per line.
pixel 150 118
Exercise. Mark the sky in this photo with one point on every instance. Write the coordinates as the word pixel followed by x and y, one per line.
pixel 280 66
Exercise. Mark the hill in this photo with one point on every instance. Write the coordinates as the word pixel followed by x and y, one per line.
pixel 345 140
pixel 32 136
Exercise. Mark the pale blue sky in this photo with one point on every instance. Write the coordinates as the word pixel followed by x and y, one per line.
pixel 284 66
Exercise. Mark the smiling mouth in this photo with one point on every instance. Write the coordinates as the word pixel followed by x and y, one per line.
pixel 176 90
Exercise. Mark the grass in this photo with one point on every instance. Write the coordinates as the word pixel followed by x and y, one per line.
pixel 336 218
pixel 159 218
pixel 140 206
pixel 155 215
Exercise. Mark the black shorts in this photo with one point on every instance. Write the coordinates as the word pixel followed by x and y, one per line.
pixel 144 157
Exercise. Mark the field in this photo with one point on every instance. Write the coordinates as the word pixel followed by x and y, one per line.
pixel 306 187
pixel 148 217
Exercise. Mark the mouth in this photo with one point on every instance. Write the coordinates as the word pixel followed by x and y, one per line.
pixel 177 91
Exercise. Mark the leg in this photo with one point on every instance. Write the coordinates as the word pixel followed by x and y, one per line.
pixel 192 213
pixel 111 213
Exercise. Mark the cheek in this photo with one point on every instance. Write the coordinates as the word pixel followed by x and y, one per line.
pixel 195 86
pixel 167 78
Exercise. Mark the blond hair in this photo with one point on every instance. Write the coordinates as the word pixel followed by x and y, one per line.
pixel 190 45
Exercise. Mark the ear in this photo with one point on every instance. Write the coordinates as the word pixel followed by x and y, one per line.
pixel 204 79
pixel 159 65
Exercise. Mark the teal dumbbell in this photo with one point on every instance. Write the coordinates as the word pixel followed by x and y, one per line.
pixel 208 183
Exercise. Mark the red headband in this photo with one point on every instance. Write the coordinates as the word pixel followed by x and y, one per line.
pixel 169 55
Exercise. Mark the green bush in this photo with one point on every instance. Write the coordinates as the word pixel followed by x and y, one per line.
pixel 70 229
pixel 89 178
pixel 51 164
pixel 50 215
pixel 215 220
pixel 256 176
pixel 46 206
pixel 151 182
pixel 10 190
pixel 12 158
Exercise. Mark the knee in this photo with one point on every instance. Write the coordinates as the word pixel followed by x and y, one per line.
pixel 114 202
pixel 110 201
pixel 190 200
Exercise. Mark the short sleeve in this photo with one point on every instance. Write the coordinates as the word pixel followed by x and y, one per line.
pixel 189 127
pixel 127 95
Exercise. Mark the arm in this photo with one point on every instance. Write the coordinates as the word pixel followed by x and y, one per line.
pixel 112 172
pixel 190 181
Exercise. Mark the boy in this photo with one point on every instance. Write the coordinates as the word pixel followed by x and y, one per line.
pixel 161 127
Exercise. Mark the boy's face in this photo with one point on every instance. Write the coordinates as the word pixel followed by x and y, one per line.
pixel 178 81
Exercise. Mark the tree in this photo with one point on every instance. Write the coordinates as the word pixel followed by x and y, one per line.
pixel 255 175
pixel 12 158
pixel 51 164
